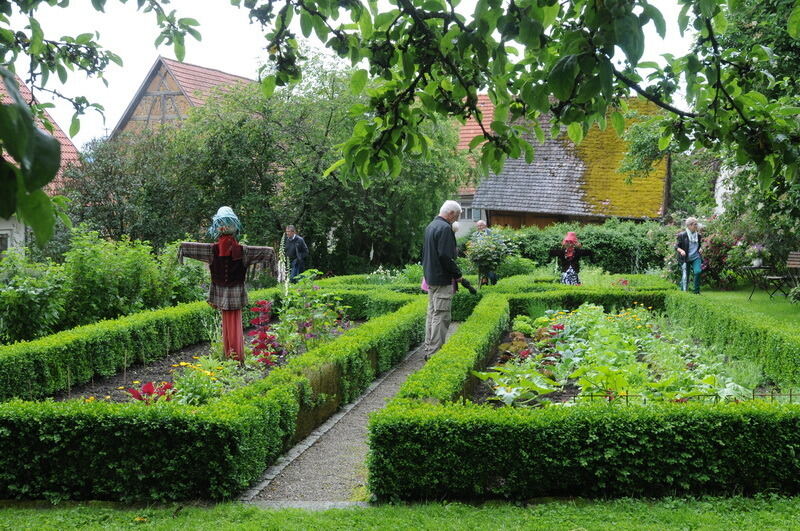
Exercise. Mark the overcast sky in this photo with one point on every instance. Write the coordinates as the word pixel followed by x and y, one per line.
pixel 230 43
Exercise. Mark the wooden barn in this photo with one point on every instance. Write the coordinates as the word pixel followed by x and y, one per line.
pixel 169 90
pixel 566 182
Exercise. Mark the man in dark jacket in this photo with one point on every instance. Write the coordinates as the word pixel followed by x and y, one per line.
pixel 296 252
pixel 688 246
pixel 441 273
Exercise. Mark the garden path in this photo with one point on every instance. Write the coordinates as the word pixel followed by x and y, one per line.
pixel 328 468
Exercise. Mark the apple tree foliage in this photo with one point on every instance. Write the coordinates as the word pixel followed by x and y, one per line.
pixel 574 59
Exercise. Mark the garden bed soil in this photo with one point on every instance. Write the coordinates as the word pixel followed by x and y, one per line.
pixel 115 388
pixel 482 391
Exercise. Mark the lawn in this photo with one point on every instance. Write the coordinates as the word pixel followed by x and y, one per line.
pixel 779 309
pixel 715 513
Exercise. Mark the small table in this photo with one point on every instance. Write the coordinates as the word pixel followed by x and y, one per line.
pixel 755 274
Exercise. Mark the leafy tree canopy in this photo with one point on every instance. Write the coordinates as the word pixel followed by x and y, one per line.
pixel 532 56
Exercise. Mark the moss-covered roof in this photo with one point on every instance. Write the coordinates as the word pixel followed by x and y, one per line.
pixel 581 180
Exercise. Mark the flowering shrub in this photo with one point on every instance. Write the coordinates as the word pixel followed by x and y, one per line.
pixel 383 276
pixel 264 344
pixel 150 394
pixel 487 250
pixel 308 315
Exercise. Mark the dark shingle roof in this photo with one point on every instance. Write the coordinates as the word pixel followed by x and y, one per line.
pixel 566 179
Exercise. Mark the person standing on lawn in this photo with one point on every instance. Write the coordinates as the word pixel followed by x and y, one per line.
pixel 296 251
pixel 441 274
pixel 228 261
pixel 688 246
pixel 568 256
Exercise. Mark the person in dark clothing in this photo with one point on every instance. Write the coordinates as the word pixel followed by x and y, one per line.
pixel 441 274
pixel 296 251
pixel 569 255
pixel 688 246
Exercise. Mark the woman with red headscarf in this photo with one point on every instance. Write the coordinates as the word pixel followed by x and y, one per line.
pixel 568 258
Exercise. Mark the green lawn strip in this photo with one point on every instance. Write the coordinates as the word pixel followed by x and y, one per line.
pixel 778 309
pixel 629 514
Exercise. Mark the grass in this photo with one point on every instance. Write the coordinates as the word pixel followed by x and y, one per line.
pixel 779 309
pixel 705 514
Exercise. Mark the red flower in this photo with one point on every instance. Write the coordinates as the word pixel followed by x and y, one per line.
pixel 148 388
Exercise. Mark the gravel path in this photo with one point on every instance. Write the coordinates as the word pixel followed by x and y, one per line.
pixel 330 465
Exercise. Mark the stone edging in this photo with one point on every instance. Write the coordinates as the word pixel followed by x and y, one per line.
pixel 298 449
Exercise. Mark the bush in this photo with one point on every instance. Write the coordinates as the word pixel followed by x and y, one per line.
pixel 516 265
pixel 31 298
pixel 422 451
pixel 169 451
pixel 619 246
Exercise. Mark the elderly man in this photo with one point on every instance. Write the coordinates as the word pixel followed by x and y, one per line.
pixel 441 274
pixel 296 251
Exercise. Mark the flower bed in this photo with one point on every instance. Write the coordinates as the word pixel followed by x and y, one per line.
pixel 167 451
pixel 429 443
pixel 625 355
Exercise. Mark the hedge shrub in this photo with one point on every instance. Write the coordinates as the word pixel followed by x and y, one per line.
pixel 426 446
pixel 422 451
pixel 443 378
pixel 76 450
pixel 57 362
pixel 751 336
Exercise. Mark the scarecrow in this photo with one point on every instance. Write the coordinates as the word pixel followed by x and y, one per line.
pixel 229 262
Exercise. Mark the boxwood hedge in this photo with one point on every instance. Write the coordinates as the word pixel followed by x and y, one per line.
pixel 167 451
pixel 429 444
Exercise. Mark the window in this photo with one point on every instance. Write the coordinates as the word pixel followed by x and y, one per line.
pixel 4 241
pixel 471 214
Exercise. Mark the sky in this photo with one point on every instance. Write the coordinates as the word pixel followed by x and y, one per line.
pixel 229 43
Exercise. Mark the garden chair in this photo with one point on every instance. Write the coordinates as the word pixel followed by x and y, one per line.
pixel 784 283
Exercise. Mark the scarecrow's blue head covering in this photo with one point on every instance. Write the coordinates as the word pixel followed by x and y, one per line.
pixel 224 222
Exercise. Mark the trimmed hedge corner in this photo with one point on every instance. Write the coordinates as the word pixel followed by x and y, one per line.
pixel 167 451
pixel 422 451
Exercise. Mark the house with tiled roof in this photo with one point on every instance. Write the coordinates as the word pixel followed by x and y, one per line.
pixel 565 181
pixel 12 231
pixel 169 90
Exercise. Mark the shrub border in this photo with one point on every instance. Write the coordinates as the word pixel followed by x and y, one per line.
pixel 429 444
pixel 72 450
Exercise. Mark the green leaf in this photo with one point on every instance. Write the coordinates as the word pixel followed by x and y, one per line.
pixel 575 132
pixel 365 24
pixel 37 37
pixel 98 5
pixel 75 125
pixel 793 24
pixel 333 167
pixel 35 210
pixel 8 189
pixel 657 18
pixel 46 159
pixel 306 24
pixel 630 37
pixel 663 142
pixel 358 81
pixel 562 77
pixel 476 141
pixel 618 121
pixel 530 32
pixel 268 86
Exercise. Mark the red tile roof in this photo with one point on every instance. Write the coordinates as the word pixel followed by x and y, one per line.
pixel 471 129
pixel 197 82
pixel 69 154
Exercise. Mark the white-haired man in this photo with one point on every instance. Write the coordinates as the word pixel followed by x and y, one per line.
pixel 441 273
pixel 688 246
